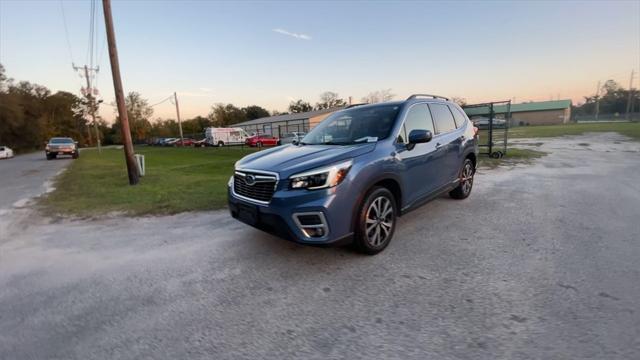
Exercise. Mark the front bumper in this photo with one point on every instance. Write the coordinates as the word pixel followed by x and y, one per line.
pixel 282 216
pixel 61 152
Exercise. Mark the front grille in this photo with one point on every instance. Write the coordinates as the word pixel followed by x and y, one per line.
pixel 262 189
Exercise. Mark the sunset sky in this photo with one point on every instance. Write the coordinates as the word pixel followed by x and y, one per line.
pixel 269 53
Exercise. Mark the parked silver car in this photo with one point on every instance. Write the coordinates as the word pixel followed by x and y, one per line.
pixel 292 137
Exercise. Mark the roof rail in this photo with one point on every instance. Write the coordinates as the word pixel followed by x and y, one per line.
pixel 354 105
pixel 414 96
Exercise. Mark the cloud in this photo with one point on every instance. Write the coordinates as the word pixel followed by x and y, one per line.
pixel 206 89
pixel 295 35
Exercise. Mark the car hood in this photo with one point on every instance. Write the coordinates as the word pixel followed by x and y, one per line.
pixel 290 159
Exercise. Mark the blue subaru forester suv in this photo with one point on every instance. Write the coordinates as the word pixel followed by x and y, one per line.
pixel 351 177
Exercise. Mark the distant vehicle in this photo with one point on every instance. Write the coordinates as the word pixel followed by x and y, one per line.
pixel 185 142
pixel 262 140
pixel 6 152
pixel 225 136
pixel 201 143
pixel 61 146
pixel 157 141
pixel 292 138
pixel 169 141
pixel 483 123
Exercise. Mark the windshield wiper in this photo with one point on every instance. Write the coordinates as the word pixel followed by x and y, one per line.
pixel 333 143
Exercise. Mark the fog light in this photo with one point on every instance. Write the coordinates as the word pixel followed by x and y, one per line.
pixel 312 224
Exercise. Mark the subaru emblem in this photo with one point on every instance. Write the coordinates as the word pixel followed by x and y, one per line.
pixel 250 180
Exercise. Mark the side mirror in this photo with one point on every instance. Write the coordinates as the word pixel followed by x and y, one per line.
pixel 418 136
pixel 294 142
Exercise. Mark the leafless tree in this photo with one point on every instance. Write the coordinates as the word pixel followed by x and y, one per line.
pixel 378 96
pixel 328 100
pixel 459 100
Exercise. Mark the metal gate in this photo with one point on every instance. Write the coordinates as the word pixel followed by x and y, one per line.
pixel 492 119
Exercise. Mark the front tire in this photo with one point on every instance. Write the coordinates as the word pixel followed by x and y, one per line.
pixel 466 181
pixel 220 144
pixel 376 221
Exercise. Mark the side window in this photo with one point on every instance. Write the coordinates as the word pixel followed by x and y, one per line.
pixel 442 118
pixel 457 115
pixel 418 118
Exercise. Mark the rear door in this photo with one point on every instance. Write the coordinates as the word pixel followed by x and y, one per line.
pixel 420 164
pixel 448 140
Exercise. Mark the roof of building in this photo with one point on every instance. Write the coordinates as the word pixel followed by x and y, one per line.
pixel 288 117
pixel 530 106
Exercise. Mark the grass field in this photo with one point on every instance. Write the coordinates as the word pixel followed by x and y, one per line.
pixel 177 180
pixel 631 130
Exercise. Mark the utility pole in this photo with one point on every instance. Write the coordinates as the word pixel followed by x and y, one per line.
pixel 92 103
pixel 598 100
pixel 630 96
pixel 132 169
pixel 175 97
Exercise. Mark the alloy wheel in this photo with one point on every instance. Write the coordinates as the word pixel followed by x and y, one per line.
pixel 379 221
pixel 466 178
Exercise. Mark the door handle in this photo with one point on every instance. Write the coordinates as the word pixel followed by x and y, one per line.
pixel 438 146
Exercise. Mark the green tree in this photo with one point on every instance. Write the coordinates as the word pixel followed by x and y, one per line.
pixel 139 112
pixel 299 106
pixel 224 115
pixel 255 112
pixel 613 100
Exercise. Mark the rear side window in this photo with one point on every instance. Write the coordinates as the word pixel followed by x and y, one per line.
pixel 443 118
pixel 458 115
pixel 418 118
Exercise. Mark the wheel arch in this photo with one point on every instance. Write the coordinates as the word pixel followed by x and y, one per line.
pixel 472 156
pixel 389 181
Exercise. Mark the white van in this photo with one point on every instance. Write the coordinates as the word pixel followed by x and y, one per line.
pixel 225 136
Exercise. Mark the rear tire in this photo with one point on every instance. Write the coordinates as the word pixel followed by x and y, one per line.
pixel 220 143
pixel 50 157
pixel 466 181
pixel 75 156
pixel 376 221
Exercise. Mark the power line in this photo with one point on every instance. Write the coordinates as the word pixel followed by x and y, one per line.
pixel 66 31
pixel 160 102
pixel 91 32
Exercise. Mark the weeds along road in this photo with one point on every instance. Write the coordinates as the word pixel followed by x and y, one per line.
pixel 540 262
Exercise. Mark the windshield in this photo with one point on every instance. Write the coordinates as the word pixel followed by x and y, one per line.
pixel 61 141
pixel 353 126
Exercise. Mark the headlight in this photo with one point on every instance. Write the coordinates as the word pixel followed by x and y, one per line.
pixel 321 178
pixel 230 182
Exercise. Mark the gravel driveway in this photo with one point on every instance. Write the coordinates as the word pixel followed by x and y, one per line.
pixel 541 262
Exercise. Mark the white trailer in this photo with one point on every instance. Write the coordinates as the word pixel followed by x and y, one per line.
pixel 225 136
